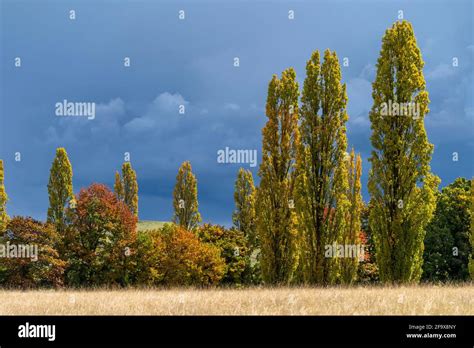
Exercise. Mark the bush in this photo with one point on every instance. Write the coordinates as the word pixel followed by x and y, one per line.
pixel 100 239
pixel 42 267
pixel 234 249
pixel 173 256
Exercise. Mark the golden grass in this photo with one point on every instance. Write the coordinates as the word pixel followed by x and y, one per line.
pixel 403 300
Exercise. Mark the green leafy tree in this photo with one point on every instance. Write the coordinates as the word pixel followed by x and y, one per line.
pixel 130 188
pixel 244 219
pixel 276 217
pixel 118 187
pixel 233 249
pixel 322 184
pixel 401 184
pixel 147 260
pixel 4 218
pixel 185 198
pixel 60 189
pixel 447 241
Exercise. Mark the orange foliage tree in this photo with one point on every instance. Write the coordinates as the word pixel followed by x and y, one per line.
pixel 100 239
pixel 28 255
pixel 173 256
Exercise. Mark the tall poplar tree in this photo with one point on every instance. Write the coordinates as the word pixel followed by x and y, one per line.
pixel 185 198
pixel 244 213
pixel 276 218
pixel 59 189
pixel 244 219
pixel 118 187
pixel 401 184
pixel 130 187
pixel 351 234
pixel 4 218
pixel 322 184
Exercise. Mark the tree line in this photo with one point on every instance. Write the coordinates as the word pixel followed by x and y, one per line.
pixel 303 224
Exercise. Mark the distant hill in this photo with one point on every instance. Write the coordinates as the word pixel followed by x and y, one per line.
pixel 146 225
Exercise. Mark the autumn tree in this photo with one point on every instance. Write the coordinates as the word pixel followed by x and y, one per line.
pixel 322 185
pixel 36 261
pixel 129 187
pixel 401 184
pixel 185 198
pixel 276 218
pixel 173 256
pixel 59 189
pixel 118 187
pixel 100 239
pixel 3 201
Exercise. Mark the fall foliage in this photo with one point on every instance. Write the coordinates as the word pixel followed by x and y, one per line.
pixel 100 238
pixel 43 267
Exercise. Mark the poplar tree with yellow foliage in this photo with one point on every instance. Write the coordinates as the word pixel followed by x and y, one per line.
pixel 322 184
pixel 129 188
pixel 185 198
pixel 4 218
pixel 118 187
pixel 351 235
pixel 276 217
pixel 401 184
pixel 244 213
pixel 60 189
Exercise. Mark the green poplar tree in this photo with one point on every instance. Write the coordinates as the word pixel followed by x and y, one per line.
pixel 185 198
pixel 244 219
pixel 322 184
pixel 60 189
pixel 276 217
pixel 4 218
pixel 130 187
pixel 401 184
pixel 244 214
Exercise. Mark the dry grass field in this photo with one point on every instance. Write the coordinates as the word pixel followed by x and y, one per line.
pixel 406 300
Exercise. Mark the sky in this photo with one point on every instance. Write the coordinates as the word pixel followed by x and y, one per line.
pixel 190 62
